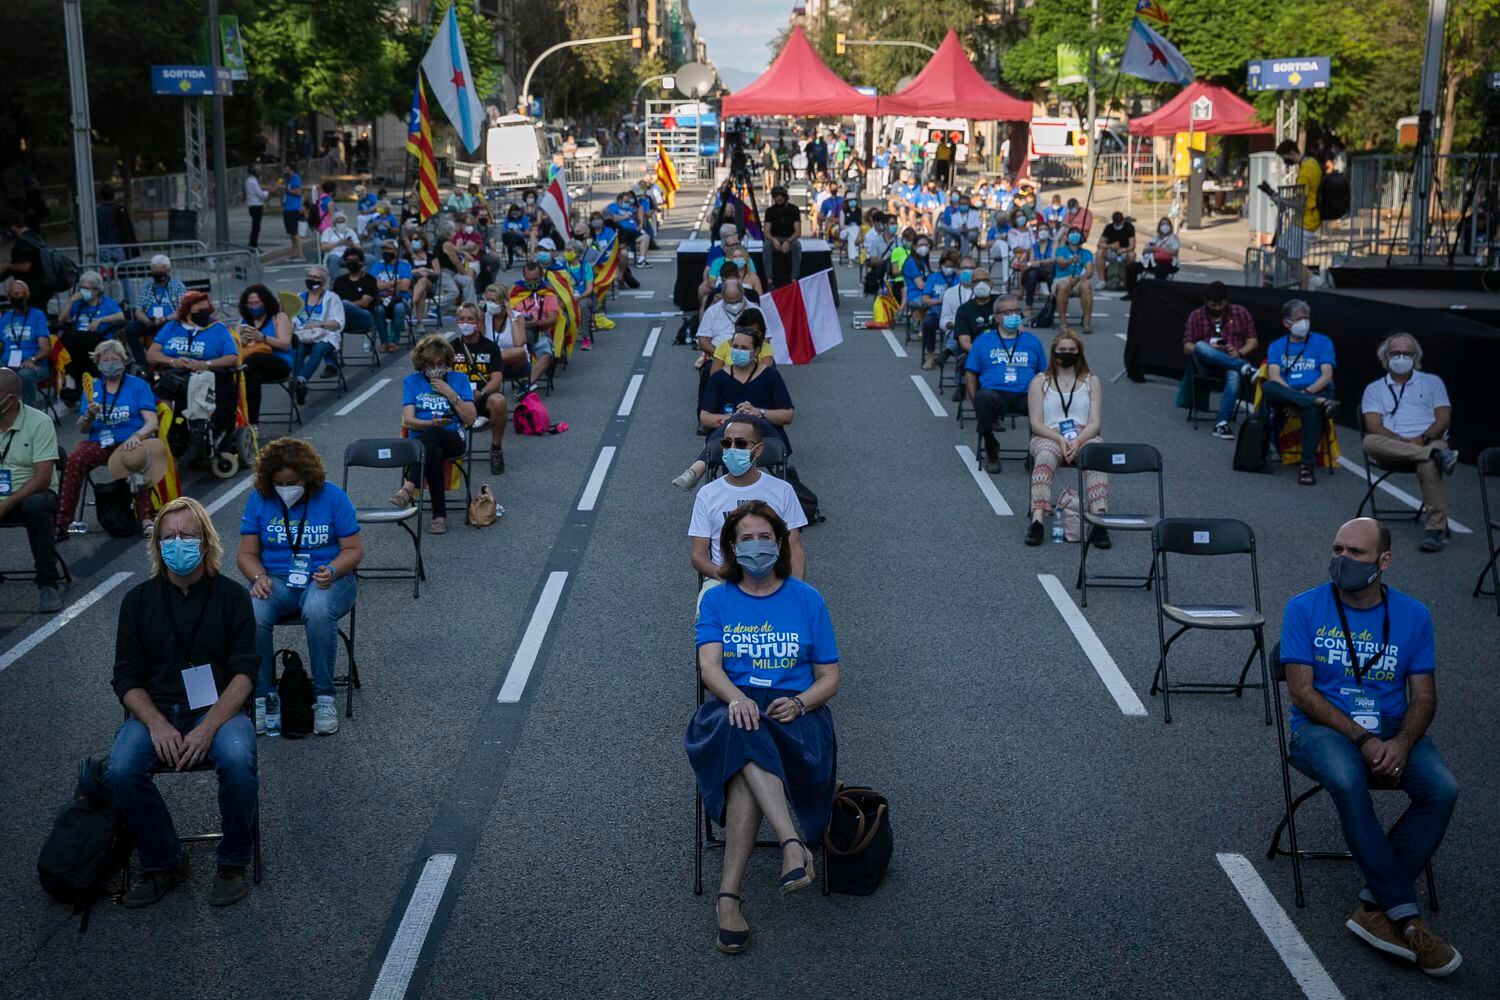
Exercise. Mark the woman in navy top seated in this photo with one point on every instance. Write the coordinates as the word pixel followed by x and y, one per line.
pixel 299 547
pixel 762 743
pixel 262 322
pixel 118 412
pixel 88 318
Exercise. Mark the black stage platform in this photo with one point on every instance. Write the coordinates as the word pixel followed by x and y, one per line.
pixel 817 255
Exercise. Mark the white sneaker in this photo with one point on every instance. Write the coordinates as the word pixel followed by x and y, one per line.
pixel 325 716
pixel 1223 433
pixel 687 480
pixel 260 717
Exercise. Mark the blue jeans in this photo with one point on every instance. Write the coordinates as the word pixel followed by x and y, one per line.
pixel 1390 862
pixel 30 379
pixel 320 610
pixel 233 755
pixel 390 324
pixel 307 357
pixel 357 321
pixel 1210 359
pixel 1310 407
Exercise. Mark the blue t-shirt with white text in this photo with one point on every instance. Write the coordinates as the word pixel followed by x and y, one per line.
pixel 1006 365
pixel 318 521
pixel 771 641
pixel 1311 634
pixel 21 335
pixel 418 393
pixel 179 341
pixel 1301 364
pixel 119 411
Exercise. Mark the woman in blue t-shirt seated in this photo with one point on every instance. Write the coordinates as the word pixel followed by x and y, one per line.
pixel 89 318
pixel 193 342
pixel 750 384
pixel 265 344
pixel 118 412
pixel 299 547
pixel 762 744
pixel 437 407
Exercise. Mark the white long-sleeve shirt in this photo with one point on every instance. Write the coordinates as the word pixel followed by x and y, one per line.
pixel 952 299
pixel 332 314
pixel 254 194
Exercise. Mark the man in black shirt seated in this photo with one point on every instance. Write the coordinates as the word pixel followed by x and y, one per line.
pixel 358 290
pixel 783 234
pixel 185 662
pixel 478 357
pixel 1116 243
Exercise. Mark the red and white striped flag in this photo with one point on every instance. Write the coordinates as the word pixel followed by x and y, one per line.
pixel 555 204
pixel 802 320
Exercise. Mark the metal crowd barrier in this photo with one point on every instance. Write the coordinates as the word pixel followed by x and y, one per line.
pixel 223 273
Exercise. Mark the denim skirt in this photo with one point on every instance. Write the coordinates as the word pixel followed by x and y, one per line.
pixel 802 753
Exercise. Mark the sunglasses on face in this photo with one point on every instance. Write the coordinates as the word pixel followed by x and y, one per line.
pixel 744 444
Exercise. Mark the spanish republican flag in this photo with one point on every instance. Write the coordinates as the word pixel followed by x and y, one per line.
pixel 419 144
pixel 607 269
pixel 666 175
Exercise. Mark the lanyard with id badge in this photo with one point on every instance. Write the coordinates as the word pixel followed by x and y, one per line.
pixel 10 439
pixel 15 333
pixel 1364 706
pixel 1010 357
pixel 197 680
pixel 106 408
pixel 300 571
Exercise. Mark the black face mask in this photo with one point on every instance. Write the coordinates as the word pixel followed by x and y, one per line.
pixel 202 317
pixel 20 304
pixel 160 279
pixel 1215 311
pixel 312 285
pixel 1065 360
pixel 388 257
pixel 354 266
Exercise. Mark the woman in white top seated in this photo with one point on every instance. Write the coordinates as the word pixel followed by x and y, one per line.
pixel 1066 406
pixel 1159 256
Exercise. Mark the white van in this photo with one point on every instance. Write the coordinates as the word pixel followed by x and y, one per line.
pixel 515 150
pixel 903 131
pixel 1065 137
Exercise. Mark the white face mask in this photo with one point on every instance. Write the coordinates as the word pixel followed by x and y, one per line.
pixel 1164 230
pixel 1300 328
pixel 493 308
pixel 1401 364
pixel 465 329
pixel 981 289
pixel 290 494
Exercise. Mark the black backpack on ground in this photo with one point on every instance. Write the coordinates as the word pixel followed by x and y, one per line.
pixel 1333 195
pixel 858 843
pixel 296 692
pixel 875 276
pixel 1043 320
pixel 1250 444
pixel 89 843
pixel 806 497
pixel 115 507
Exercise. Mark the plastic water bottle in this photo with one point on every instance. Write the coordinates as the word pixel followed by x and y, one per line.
pixel 273 714
pixel 1057 531
pixel 78 528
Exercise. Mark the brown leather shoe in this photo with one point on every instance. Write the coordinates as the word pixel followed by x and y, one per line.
pixel 1377 931
pixel 1435 956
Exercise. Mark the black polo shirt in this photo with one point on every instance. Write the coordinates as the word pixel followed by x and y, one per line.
pixel 162 632
pixel 782 219
pixel 973 318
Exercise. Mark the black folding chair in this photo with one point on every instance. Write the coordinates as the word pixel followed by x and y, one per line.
pixel 772 459
pixel 1373 482
pixel 335 381
pixel 1489 468
pixel 1289 818
pixel 389 453
pixel 62 564
pixel 349 681
pixel 1116 460
pixel 1206 536
pixel 159 768
pixel 1207 383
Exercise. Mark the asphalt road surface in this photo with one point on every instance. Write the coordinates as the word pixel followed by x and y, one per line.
pixel 508 814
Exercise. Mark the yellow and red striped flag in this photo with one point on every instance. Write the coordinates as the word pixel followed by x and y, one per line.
pixel 666 175
pixel 419 144
pixel 1151 9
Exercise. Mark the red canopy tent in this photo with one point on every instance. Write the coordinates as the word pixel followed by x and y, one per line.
pixel 950 87
pixel 1229 114
pixel 798 83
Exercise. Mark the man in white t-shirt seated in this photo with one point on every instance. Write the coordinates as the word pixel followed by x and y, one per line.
pixel 1406 414
pixel 742 482
pixel 719 318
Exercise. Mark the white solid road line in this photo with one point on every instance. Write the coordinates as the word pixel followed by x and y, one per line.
pixel 651 339
pixel 986 484
pixel 1104 664
pixel 896 348
pixel 638 293
pixel 531 641
pixel 1413 502
pixel 350 406
pixel 933 403
pixel 596 478
pixel 224 499
pixel 406 946
pixel 78 607
pixel 628 403
pixel 1278 927
pixel 1121 336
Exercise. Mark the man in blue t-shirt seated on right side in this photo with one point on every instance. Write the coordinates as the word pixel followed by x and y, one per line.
pixel 1001 364
pixel 1360 716
pixel 1299 374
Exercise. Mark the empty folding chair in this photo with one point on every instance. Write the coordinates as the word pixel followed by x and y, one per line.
pixel 1116 460
pixel 1489 468
pixel 389 453
pixel 1288 821
pixel 1206 536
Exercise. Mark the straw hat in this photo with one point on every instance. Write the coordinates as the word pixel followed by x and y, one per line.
pixel 148 462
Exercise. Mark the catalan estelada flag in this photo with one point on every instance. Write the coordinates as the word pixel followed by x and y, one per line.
pixel 168 487
pixel 666 175
pixel 606 269
pixel 419 144
pixel 1151 9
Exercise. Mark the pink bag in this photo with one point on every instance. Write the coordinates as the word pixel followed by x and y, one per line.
pixel 531 417
pixel 1072 520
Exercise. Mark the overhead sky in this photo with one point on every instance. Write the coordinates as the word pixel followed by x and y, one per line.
pixel 739 33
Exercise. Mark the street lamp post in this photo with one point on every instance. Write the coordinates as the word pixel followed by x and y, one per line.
pixel 651 79
pixel 221 181
pixel 83 156
pixel 634 38
pixel 878 41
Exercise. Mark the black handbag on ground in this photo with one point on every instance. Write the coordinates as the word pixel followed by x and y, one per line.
pixel 858 843
pixel 114 505
pixel 296 693
pixel 1250 444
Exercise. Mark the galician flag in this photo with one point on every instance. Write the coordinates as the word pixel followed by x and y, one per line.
pixel 1151 57
pixel 447 68
pixel 802 320
pixel 555 203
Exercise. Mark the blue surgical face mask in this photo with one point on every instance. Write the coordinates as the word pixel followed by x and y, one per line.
pixel 1011 321
pixel 756 556
pixel 1074 239
pixel 965 276
pixel 737 461
pixel 181 555
pixel 543 258
pixel 739 356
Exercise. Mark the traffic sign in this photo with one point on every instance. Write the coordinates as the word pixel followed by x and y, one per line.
pixel 1203 109
pixel 187 81
pixel 1295 73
